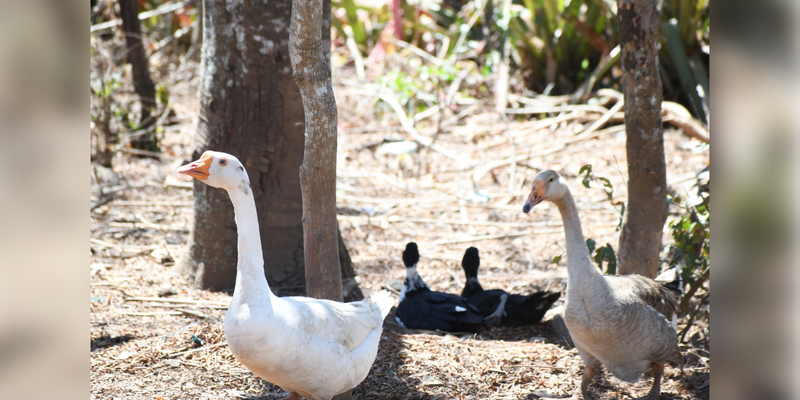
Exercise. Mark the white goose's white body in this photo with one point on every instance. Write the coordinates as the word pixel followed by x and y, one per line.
pixel 314 348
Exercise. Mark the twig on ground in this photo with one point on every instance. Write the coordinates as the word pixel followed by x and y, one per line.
pixel 489 237
pixel 690 322
pixel 689 126
pixel 602 68
pixel 199 349
pixel 121 247
pixel 409 200
pixel 195 314
pixel 499 371
pixel 102 201
pixel 152 314
pixel 613 129
pixel 417 51
pixel 409 127
pixel 467 111
pixel 354 52
pixel 178 301
pixel 171 38
pixel 382 177
pixel 363 218
pixel 534 366
pixel 548 108
pixel 484 169
pixel 603 120
pixel 190 364
pixel 412 131
pixel 690 293
pixel 163 9
pixel 138 203
pixel 534 126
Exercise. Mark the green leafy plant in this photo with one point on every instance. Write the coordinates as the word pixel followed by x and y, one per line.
pixel 691 234
pixel 588 177
pixel 561 41
pixel 603 255
pixel 560 46
pixel 685 26
pixel 605 185
pixel 421 86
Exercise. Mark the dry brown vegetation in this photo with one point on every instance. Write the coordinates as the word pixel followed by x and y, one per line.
pixel 461 191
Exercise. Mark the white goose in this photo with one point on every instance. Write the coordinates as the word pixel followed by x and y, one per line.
pixel 619 321
pixel 311 348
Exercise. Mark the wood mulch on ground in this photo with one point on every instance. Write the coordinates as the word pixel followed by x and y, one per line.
pixel 153 336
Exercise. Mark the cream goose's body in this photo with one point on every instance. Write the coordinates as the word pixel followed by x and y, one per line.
pixel 311 348
pixel 618 321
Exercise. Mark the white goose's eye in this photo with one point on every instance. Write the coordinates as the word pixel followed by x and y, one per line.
pixel 223 162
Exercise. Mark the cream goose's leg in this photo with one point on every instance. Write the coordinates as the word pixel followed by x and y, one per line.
pixel 588 375
pixel 658 372
pixel 292 396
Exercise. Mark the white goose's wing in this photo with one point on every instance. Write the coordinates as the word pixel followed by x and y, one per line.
pixel 345 323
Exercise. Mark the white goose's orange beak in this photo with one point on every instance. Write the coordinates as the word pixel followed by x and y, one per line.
pixel 198 169
pixel 536 196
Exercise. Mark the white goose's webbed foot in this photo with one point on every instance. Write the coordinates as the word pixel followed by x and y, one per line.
pixel 498 314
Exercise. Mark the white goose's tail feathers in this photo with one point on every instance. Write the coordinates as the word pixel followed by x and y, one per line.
pixel 383 300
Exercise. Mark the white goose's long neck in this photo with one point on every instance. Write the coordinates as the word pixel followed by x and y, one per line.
pixel 579 263
pixel 251 284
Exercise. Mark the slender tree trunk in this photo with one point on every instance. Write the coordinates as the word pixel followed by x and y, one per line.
pixel 103 138
pixel 250 107
pixel 318 172
pixel 640 240
pixel 142 83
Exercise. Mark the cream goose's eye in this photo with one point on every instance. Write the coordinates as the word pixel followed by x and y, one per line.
pixel 223 162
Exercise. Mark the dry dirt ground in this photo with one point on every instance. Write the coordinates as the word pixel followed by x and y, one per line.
pixel 144 315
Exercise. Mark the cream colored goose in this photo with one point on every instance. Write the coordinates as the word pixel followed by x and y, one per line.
pixel 311 348
pixel 616 321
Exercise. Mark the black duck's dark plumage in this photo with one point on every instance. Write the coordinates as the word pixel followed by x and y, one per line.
pixel 498 307
pixel 421 308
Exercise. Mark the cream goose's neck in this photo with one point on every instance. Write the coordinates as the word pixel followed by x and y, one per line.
pixel 579 263
pixel 251 284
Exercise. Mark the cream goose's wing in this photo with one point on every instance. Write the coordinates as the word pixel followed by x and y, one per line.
pixel 654 294
pixel 345 323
